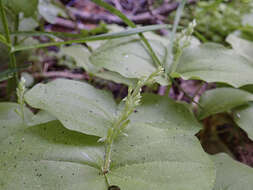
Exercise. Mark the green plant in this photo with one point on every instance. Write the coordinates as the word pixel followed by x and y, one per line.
pixel 218 18
pixel 83 139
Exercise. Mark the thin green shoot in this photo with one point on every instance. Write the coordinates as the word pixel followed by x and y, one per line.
pixel 108 36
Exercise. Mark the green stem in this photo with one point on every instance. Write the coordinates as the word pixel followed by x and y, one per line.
pixel 16 28
pixel 52 34
pixel 4 22
pixel 131 102
pixel 21 101
pixel 12 82
pixel 107 181
pixel 185 93
pixel 113 132
pixel 200 36
pixel 170 62
pixel 175 59
pixel 151 51
pixel 108 152
pixel 111 135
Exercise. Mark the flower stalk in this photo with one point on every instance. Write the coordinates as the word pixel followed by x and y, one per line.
pixel 131 102
pixel 182 42
pixel 21 101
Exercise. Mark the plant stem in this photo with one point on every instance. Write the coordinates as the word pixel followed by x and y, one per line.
pixel 131 102
pixel 200 36
pixel 172 37
pixel 12 82
pixel 112 134
pixel 21 101
pixel 118 125
pixel 4 22
pixel 16 28
pixel 185 93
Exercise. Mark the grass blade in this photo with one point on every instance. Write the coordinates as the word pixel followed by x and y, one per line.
pixel 125 33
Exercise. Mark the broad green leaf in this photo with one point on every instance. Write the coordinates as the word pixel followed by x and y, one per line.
pixel 221 100
pixel 83 108
pixel 10 121
pixel 129 57
pixel 244 118
pixel 48 156
pixel 81 56
pixel 40 118
pixel 163 112
pixel 154 157
pixel 241 46
pixel 214 63
pixel 232 175
pixel 160 150
pixel 162 39
pixel 248 88
pixel 27 24
pixel 79 106
pixel 28 7
pixel 10 118
pixel 115 77
pixel 82 59
pixel 49 10
pixel 45 156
